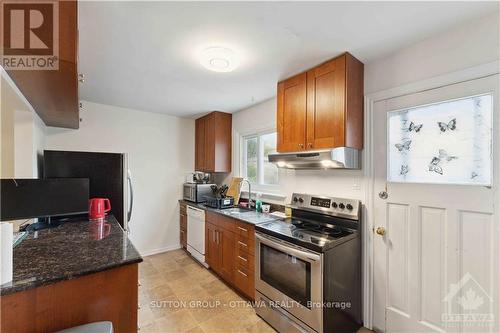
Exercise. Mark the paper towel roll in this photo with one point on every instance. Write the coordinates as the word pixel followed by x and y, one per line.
pixel 6 246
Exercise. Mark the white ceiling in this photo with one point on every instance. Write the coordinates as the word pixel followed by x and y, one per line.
pixel 143 55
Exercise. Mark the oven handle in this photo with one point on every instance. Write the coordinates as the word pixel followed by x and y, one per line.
pixel 305 255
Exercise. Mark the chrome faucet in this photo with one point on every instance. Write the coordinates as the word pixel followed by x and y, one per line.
pixel 249 192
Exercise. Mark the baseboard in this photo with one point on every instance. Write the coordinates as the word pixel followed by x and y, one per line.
pixel 160 250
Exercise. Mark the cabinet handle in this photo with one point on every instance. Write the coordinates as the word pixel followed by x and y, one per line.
pixel 301 145
pixel 310 145
pixel 81 78
pixel 242 258
pixel 242 273
pixel 242 244
pixel 243 229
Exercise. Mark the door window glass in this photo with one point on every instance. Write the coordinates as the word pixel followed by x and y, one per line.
pixel 445 143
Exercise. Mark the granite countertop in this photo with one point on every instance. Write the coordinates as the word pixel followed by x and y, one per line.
pixel 68 251
pixel 250 216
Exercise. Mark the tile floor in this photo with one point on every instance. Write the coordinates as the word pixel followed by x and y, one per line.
pixel 179 295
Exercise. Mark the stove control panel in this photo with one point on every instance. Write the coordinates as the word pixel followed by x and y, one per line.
pixel 335 206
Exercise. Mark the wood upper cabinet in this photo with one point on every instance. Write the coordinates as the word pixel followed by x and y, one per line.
pixel 199 160
pixel 213 142
pixel 54 93
pixel 329 113
pixel 292 111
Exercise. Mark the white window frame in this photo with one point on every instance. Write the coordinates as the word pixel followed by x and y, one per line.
pixel 259 185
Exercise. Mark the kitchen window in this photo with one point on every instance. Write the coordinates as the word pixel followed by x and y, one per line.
pixel 255 162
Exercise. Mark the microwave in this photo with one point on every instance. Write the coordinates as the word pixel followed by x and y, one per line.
pixel 196 192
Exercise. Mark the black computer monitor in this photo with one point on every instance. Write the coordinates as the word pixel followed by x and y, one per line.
pixel 36 198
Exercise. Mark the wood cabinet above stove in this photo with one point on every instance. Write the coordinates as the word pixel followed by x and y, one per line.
pixel 322 108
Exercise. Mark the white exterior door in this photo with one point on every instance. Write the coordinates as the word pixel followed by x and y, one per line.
pixel 436 268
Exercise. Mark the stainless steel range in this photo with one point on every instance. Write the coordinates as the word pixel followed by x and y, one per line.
pixel 308 267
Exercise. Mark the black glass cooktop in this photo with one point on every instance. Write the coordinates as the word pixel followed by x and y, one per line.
pixel 318 236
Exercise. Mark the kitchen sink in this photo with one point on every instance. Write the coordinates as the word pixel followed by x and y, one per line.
pixel 237 211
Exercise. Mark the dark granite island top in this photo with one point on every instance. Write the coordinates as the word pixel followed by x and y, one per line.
pixel 70 250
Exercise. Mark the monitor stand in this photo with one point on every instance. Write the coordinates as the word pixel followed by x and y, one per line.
pixel 43 223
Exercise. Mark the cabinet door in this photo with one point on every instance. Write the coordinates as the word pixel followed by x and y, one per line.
pixel 54 93
pixel 326 105
pixel 199 164
pixel 292 106
pixel 226 252
pixel 209 142
pixel 183 229
pixel 211 247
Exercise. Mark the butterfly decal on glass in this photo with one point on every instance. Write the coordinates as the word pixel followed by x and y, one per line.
pixel 434 165
pixel 436 161
pixel 443 155
pixel 404 170
pixel 414 128
pixel 403 147
pixel 450 126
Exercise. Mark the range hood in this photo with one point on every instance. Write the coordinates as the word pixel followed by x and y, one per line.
pixel 336 158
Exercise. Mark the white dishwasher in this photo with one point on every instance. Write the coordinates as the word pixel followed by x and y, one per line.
pixel 196 233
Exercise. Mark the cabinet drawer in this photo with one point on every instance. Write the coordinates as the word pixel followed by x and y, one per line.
pixel 245 244
pixel 211 217
pixel 244 280
pixel 245 260
pixel 183 208
pixel 244 229
pixel 226 223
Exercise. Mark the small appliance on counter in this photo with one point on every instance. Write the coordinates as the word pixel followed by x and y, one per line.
pixel 198 177
pixel 195 192
pixel 98 207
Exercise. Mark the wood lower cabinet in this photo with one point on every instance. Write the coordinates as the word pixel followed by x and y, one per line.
pixel 229 251
pixel 212 247
pixel 213 142
pixel 183 226
pixel 323 107
pixel 110 295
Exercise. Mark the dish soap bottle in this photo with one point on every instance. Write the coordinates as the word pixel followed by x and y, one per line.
pixel 258 203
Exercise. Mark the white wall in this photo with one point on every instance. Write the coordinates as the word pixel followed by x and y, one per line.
pixel 29 142
pixel 161 151
pixel 471 44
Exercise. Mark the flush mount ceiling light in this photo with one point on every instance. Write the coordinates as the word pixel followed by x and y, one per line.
pixel 219 59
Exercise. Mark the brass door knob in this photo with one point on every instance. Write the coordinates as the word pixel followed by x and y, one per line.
pixel 380 231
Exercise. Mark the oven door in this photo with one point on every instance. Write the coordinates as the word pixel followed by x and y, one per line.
pixel 291 277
